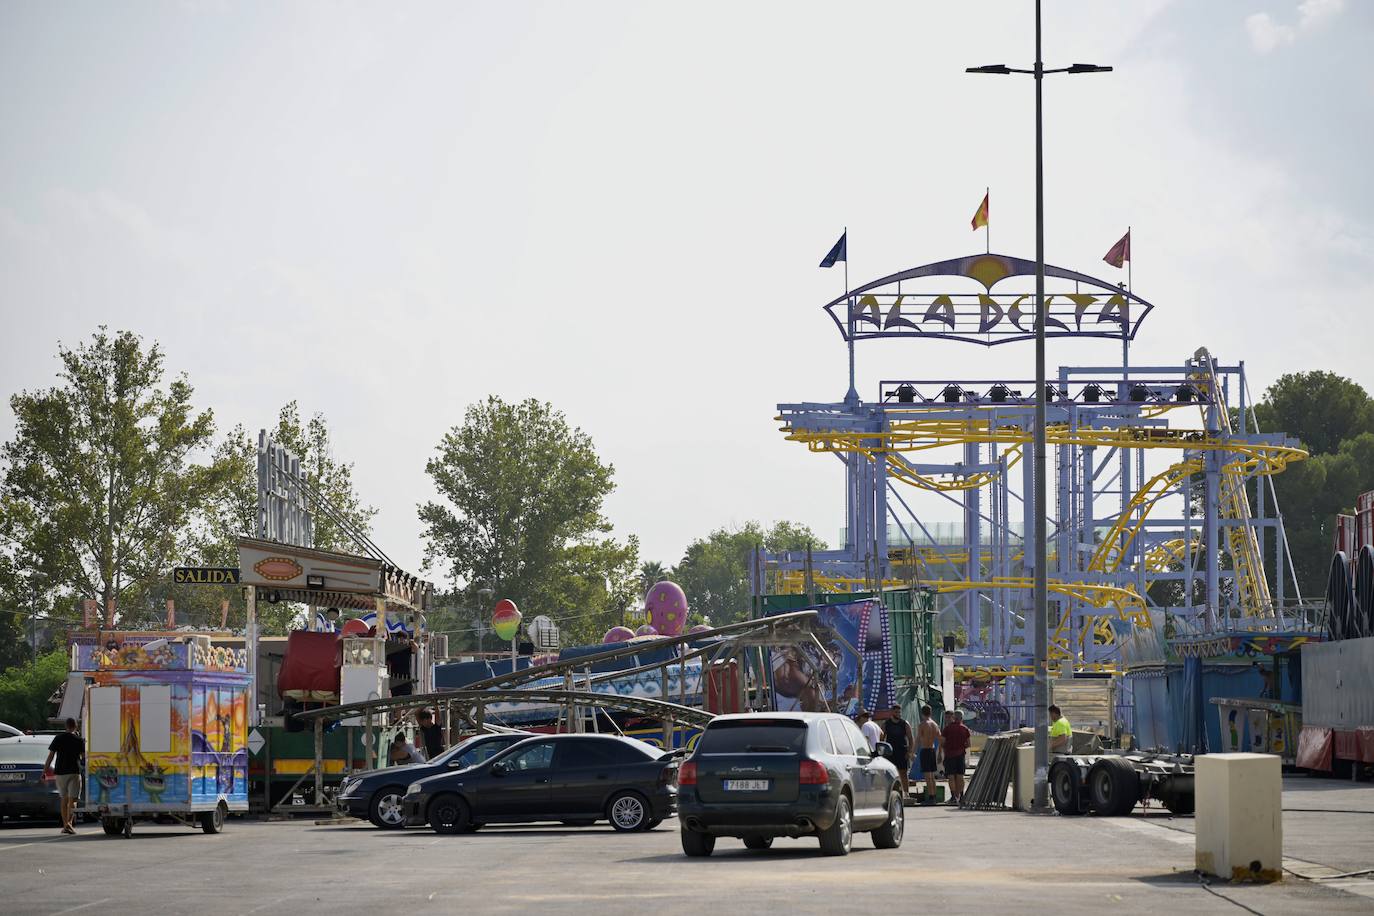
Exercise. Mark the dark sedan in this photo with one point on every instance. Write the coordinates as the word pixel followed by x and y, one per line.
pixel 24 790
pixel 376 794
pixel 574 779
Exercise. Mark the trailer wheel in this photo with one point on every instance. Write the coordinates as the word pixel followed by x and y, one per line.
pixel 213 821
pixel 1066 788
pixel 1113 787
pixel 111 826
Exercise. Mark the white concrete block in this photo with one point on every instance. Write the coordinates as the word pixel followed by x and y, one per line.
pixel 1023 786
pixel 1239 816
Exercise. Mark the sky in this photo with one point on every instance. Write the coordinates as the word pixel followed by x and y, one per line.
pixel 390 211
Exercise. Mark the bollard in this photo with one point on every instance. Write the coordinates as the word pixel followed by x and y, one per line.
pixel 1023 788
pixel 1239 816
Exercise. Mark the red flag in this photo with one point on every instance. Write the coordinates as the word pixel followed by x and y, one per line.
pixel 1121 251
pixel 980 218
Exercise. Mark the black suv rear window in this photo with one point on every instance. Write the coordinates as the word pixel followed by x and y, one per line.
pixel 754 736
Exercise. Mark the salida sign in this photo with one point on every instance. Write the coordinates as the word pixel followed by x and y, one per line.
pixel 205 575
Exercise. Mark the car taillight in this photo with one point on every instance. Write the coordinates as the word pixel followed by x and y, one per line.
pixel 813 773
pixel 666 775
pixel 49 776
pixel 687 774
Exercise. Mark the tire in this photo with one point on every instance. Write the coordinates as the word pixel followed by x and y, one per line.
pixel 112 826
pixel 653 823
pixel 889 835
pixel 697 845
pixel 213 821
pixel 838 838
pixel 1113 787
pixel 758 842
pixel 1066 788
pixel 450 815
pixel 384 811
pixel 628 812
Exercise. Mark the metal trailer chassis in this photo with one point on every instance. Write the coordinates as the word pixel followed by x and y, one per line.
pixel 118 820
pixel 1111 783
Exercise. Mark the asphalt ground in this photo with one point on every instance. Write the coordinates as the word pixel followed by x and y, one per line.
pixel 951 861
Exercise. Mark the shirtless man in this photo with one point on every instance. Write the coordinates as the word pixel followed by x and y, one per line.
pixel 927 733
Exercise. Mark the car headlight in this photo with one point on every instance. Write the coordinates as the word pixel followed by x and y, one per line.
pixel 413 789
pixel 346 787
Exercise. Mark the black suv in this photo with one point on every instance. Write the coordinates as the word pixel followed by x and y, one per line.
pixel 765 775
pixel 376 794
pixel 573 778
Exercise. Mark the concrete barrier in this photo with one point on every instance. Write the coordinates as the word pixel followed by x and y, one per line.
pixel 1239 819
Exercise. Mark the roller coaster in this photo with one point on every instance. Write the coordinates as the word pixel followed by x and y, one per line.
pixel 1162 511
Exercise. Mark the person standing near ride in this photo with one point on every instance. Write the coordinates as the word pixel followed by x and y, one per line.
pixel 872 733
pixel 927 735
pixel 897 731
pixel 431 735
pixel 954 742
pixel 69 749
pixel 1061 732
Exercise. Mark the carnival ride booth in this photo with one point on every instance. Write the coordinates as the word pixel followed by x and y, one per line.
pixel 367 641
pixel 166 725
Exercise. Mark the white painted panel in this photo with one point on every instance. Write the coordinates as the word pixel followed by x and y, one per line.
pixel 155 719
pixel 103 729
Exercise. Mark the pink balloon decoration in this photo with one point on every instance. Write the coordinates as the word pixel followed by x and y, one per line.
pixel 618 634
pixel 647 630
pixel 699 628
pixel 667 607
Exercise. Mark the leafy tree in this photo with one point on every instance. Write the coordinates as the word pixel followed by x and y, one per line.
pixel 100 485
pixel 714 572
pixel 651 571
pixel 331 478
pixel 15 607
pixel 1319 408
pixel 25 689
pixel 522 515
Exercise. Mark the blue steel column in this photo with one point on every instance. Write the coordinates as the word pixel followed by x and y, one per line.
pixel 973 535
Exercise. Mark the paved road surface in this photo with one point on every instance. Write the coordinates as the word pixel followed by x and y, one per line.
pixel 952 861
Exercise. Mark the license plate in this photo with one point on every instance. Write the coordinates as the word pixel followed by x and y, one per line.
pixel 746 785
pixel 11 777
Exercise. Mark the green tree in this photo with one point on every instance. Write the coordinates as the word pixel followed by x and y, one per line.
pixel 331 478
pixel 99 484
pixel 1319 408
pixel 522 514
pixel 651 571
pixel 714 572
pixel 25 690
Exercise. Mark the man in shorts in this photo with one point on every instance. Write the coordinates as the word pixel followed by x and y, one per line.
pixel 927 734
pixel 954 742
pixel 897 731
pixel 69 750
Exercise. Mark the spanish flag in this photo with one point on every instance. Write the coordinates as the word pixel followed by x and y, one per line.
pixel 1120 252
pixel 980 219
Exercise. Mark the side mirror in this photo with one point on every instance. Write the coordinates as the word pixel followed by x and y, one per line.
pixel 499 769
pixel 883 749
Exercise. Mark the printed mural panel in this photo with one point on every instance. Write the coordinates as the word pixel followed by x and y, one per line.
pixel 130 775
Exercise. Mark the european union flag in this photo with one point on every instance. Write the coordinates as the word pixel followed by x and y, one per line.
pixel 837 253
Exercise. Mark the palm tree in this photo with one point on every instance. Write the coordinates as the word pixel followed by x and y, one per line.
pixel 651 571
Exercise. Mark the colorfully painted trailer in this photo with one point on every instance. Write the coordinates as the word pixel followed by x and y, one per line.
pixel 166 726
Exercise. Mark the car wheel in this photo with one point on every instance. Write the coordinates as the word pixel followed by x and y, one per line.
pixel 1113 787
pixel 628 812
pixel 889 835
pixel 839 837
pixel 1065 788
pixel 449 814
pixel 213 821
pixel 385 811
pixel 697 844
pixel 758 842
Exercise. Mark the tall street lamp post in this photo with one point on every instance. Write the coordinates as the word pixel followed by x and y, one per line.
pixel 1040 619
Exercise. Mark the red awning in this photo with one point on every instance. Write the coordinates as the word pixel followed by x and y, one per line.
pixel 310 671
pixel 1314 748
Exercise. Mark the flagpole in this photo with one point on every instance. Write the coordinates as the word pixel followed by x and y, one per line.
pixel 987 220
pixel 853 395
pixel 1125 315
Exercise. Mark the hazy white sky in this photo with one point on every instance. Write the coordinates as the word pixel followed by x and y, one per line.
pixel 388 211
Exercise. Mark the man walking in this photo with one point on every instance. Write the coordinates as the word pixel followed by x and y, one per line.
pixel 872 733
pixel 927 734
pixel 69 750
pixel 897 731
pixel 954 742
